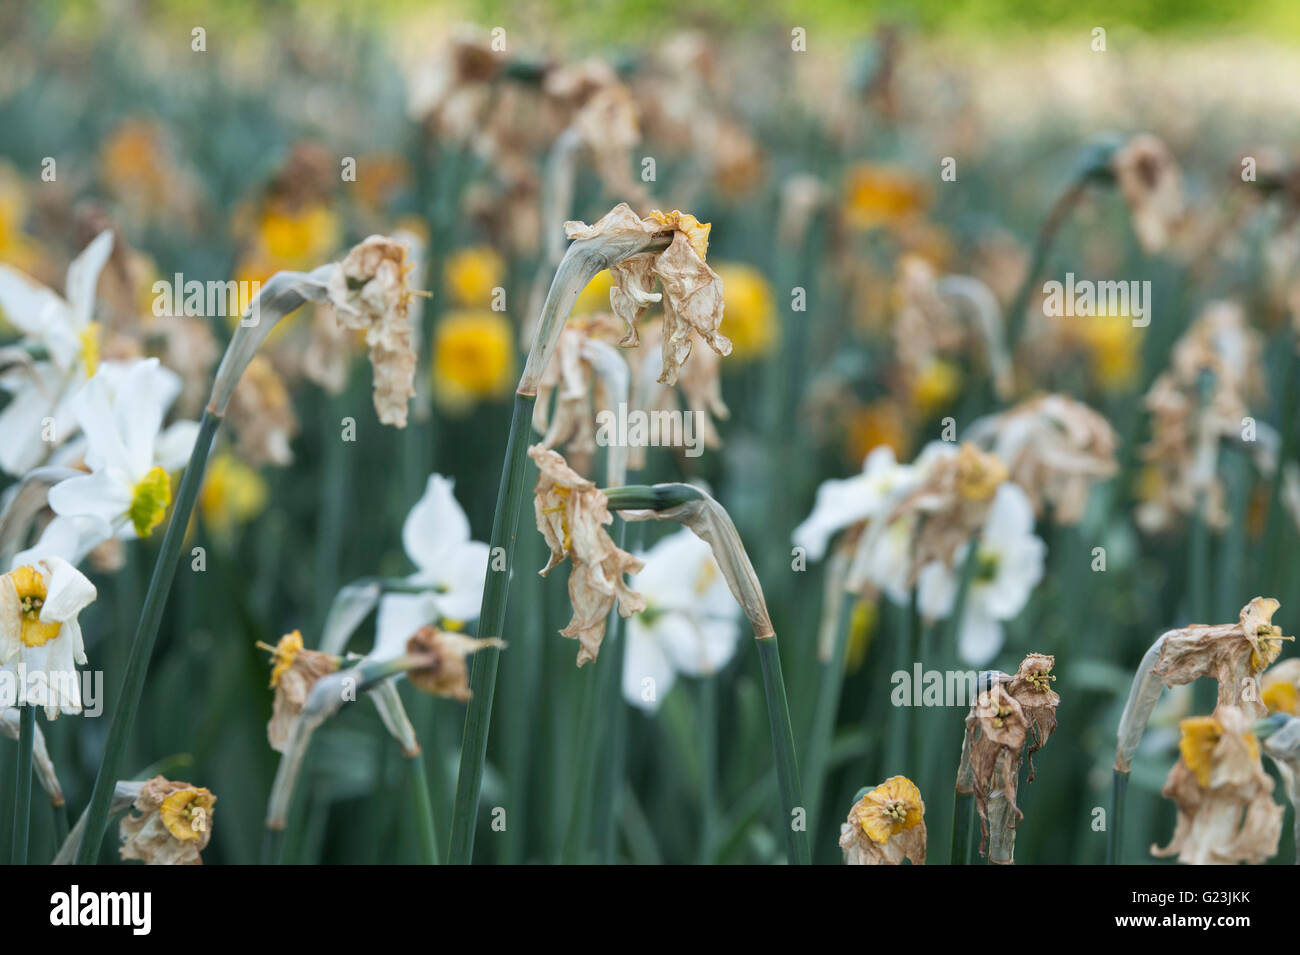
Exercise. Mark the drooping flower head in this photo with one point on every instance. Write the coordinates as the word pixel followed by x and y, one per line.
pixel 886 825
pixel 172 824
pixel 572 515
pixel 39 604
pixel 294 671
pixel 1226 813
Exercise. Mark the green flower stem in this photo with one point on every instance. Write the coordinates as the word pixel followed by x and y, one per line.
pixel 823 728
pixel 1115 831
pixel 146 633
pixel 60 812
pixel 900 720
pixel 787 767
pixel 963 812
pixel 423 809
pixel 23 785
pixel 491 622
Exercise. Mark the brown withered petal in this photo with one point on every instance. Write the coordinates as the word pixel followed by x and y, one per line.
pixel 172 824
pixel 1149 179
pixel 692 302
pixel 291 689
pixel 1228 815
pixel 369 292
pixel 1055 448
pixel 440 668
pixel 572 515
pixel 261 415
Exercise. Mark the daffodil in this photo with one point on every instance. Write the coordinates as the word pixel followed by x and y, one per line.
pixel 690 625
pixel 472 274
pixel 1009 564
pixel 886 825
pixel 129 453
pixel 473 358
pixel 232 495
pixel 171 825
pixel 1226 813
pixel 1281 688
pixel 750 319
pixel 876 196
pixel 451 570
pixel 63 339
pixel 40 632
pixel 294 671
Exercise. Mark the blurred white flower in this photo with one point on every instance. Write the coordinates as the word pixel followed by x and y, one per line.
pixel 64 342
pixel 129 453
pixel 843 503
pixel 39 604
pixel 690 625
pixel 451 568
pixel 1009 565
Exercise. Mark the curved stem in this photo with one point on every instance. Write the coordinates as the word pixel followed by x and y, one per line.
pixel 146 633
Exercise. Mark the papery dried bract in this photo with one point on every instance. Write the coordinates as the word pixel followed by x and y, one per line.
pixel 438 658
pixel 171 826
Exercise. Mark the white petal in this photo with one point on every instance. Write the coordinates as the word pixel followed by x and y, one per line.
pixel 83 276
pixel 839 504
pixel 105 446
pixel 22 422
pixel 25 302
pixel 647 671
pixel 69 591
pixel 71 538
pixel 105 494
pixel 174 446
pixel 434 524
pixel 980 638
pixel 400 615
pixel 459 577
pixel 936 589
pixel 141 401
pixel 697 647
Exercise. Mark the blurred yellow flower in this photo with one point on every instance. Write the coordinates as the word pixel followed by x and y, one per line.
pixel 471 274
pixel 1281 685
pixel 877 196
pixel 304 238
pixel 1114 348
pixel 16 249
pixel 473 357
pixel 862 627
pixel 870 426
pixel 233 494
pixel 937 383
pixel 750 316
pixel 594 299
pixel 1200 739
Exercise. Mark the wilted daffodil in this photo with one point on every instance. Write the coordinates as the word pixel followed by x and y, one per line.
pixel 129 453
pixel 1013 717
pixel 1280 688
pixel 369 291
pixel 62 332
pixel 885 826
pixel 172 824
pixel 294 671
pixel 450 568
pixel 691 292
pixel 1148 177
pixel 572 514
pixel 1056 449
pixel 1226 813
pixel 436 661
pixel 851 501
pixel 39 630
pixel 690 624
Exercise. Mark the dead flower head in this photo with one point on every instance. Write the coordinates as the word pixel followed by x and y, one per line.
pixel 369 292
pixel 1012 718
pixel 572 514
pixel 1056 449
pixel 261 415
pixel 294 671
pixel 1234 654
pixel 171 826
pixel 1226 813
pixel 1149 179
pixel 437 659
pixel 691 292
pixel 886 826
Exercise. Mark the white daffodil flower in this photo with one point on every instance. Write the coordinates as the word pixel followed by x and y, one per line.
pixel 64 340
pixel 691 623
pixel 843 503
pixel 451 567
pixel 40 638
pixel 1009 566
pixel 129 453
